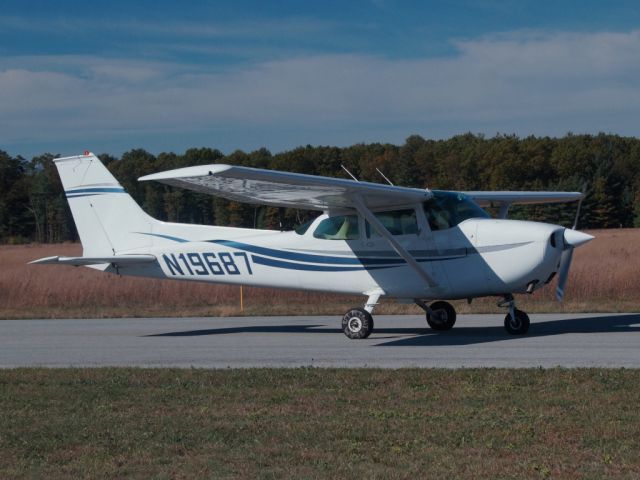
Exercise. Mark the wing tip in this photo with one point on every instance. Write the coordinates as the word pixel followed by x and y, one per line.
pixel 197 170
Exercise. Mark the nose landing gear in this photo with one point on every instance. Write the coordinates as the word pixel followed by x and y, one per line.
pixel 516 322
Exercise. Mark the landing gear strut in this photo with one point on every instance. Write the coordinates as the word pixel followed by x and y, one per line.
pixel 357 323
pixel 441 316
pixel 516 322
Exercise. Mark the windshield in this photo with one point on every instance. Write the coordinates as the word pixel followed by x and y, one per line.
pixel 448 209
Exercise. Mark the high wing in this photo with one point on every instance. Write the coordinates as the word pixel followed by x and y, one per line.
pixel 311 192
pixel 284 189
pixel 488 199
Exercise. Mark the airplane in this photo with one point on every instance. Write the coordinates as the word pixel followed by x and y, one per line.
pixel 414 245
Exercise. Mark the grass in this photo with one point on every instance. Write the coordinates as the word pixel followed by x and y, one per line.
pixel 317 423
pixel 603 279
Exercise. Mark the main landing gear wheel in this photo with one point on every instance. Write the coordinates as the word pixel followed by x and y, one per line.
pixel 357 323
pixel 518 324
pixel 441 316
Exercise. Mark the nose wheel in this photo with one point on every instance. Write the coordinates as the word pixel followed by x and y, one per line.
pixel 516 322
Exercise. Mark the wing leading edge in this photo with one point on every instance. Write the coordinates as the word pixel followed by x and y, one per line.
pixel 284 189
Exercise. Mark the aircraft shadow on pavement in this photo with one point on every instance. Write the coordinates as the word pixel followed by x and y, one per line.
pixel 427 337
pixel 476 335
pixel 246 329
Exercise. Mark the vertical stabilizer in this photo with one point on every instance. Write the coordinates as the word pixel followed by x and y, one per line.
pixel 108 220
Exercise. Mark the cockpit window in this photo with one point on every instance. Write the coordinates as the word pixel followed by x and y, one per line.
pixel 448 209
pixel 342 227
pixel 398 222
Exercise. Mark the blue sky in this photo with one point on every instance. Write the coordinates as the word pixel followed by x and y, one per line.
pixel 166 76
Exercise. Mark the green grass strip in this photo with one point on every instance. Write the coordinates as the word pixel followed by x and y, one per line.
pixel 319 423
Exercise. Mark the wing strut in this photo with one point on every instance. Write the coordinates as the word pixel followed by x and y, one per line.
pixel 504 209
pixel 384 233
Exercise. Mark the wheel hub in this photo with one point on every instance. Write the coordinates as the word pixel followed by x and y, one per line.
pixel 355 324
pixel 439 316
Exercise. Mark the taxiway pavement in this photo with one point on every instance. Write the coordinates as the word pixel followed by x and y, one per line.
pixel 567 340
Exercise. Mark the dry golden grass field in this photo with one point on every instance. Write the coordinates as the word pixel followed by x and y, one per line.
pixel 604 276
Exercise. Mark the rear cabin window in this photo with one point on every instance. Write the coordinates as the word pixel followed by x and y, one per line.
pixel 398 222
pixel 342 227
pixel 302 229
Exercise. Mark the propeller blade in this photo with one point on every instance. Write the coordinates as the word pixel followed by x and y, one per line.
pixel 565 263
pixel 572 239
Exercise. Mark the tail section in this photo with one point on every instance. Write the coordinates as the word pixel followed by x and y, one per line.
pixel 108 220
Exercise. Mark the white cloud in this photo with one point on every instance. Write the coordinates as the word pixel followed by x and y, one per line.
pixel 526 82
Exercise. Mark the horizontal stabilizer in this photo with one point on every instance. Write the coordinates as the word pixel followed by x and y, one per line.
pixel 78 261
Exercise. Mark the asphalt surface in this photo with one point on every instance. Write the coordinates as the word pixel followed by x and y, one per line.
pixel 568 340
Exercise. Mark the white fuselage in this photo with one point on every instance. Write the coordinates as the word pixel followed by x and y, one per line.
pixel 478 257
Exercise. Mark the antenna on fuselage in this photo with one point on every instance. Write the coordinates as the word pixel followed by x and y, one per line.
pixel 348 172
pixel 383 176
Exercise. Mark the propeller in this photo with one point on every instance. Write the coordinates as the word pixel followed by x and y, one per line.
pixel 571 239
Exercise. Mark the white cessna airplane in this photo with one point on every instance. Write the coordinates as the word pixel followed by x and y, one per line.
pixel 411 244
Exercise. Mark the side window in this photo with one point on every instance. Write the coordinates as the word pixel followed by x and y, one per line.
pixel 343 227
pixel 398 222
pixel 439 218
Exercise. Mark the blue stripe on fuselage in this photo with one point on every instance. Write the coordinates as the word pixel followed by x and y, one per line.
pixel 305 261
pixel 305 257
pixel 167 237
pixel 270 262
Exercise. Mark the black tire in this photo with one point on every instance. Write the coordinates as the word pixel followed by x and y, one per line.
pixel 442 316
pixel 357 323
pixel 519 325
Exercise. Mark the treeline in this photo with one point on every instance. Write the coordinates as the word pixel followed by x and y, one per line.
pixel 33 206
